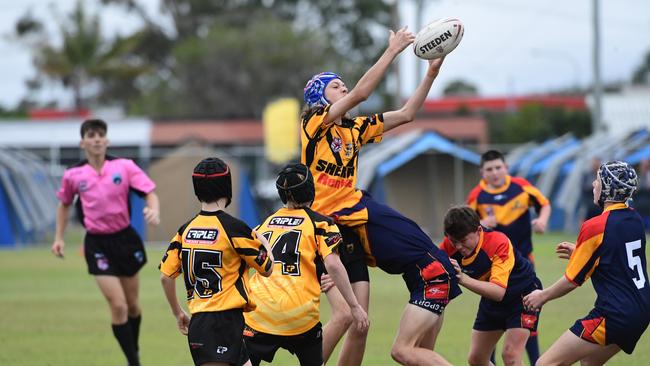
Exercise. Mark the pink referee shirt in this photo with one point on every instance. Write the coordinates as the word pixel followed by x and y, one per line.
pixel 104 196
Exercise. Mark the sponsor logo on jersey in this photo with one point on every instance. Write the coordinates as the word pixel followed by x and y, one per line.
pixel 201 236
pixel 83 186
pixel 286 221
pixel 336 144
pixel 333 182
pixel 335 170
pixel 500 197
pixel 222 349
pixel 117 178
pixel 349 149
pixel 194 345
pixel 438 291
pixel 261 257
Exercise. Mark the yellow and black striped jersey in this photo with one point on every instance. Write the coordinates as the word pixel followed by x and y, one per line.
pixel 288 302
pixel 212 252
pixel 332 152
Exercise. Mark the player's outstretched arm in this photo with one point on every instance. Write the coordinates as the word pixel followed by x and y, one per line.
pixel 565 249
pixel 407 113
pixel 536 299
pixel 169 287
pixel 340 277
pixel 397 42
pixel 62 214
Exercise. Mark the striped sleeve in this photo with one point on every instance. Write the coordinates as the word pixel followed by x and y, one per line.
pixel 312 124
pixel 501 253
pixel 586 255
pixel 536 197
pixel 371 128
pixel 170 265
pixel 472 198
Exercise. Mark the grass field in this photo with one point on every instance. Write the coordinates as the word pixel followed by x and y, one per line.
pixel 51 313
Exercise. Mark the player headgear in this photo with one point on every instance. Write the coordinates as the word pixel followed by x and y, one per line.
pixel 618 180
pixel 212 180
pixel 314 92
pixel 295 183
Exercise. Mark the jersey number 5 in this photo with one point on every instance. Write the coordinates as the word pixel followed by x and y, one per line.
pixel 634 262
pixel 200 272
pixel 285 251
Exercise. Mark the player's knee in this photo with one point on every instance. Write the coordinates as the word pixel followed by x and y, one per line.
pixel 133 309
pixel 356 334
pixel 400 354
pixel 546 361
pixel 474 360
pixel 342 317
pixel 510 355
pixel 119 308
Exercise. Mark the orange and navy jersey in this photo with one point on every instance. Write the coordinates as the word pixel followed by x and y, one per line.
pixel 213 252
pixel 288 302
pixel 495 260
pixel 611 250
pixel 511 206
pixel 332 152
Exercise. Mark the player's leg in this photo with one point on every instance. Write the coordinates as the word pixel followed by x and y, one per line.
pixel 112 290
pixel 601 356
pixel 482 346
pixel 428 341
pixel 339 321
pixel 569 349
pixel 354 344
pixel 131 286
pixel 416 322
pixel 514 346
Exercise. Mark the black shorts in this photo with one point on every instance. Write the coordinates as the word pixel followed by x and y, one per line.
pixel 118 254
pixel 353 256
pixel 217 337
pixel 308 346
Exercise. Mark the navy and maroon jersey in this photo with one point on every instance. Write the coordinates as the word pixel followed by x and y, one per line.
pixel 510 204
pixel 494 260
pixel 611 250
pixel 332 153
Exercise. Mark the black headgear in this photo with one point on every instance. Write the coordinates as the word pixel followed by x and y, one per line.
pixel 211 179
pixel 295 183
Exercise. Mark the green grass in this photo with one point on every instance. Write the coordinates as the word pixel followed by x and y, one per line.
pixel 51 313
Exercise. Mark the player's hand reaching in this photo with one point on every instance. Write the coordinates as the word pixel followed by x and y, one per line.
pixel 326 282
pixel 57 248
pixel 399 40
pixel 539 226
pixel 565 249
pixel 183 322
pixel 151 215
pixel 360 318
pixel 459 272
pixel 490 221
pixel 535 300
pixel 434 67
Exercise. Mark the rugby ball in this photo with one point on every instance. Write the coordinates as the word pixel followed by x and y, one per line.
pixel 438 38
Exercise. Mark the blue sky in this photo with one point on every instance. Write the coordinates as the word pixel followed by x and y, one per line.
pixel 509 47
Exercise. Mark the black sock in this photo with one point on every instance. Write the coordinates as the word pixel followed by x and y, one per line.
pixel 125 338
pixel 532 348
pixel 134 323
pixel 493 357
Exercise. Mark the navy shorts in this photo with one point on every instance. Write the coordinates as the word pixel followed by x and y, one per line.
pixel 599 328
pixel 507 314
pixel 308 346
pixel 432 283
pixel 118 254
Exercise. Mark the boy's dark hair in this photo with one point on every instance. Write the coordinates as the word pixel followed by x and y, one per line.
pixel 212 180
pixel 460 221
pixel 492 155
pixel 93 125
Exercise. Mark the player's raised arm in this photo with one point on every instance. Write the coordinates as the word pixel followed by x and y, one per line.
pixel 407 113
pixel 397 42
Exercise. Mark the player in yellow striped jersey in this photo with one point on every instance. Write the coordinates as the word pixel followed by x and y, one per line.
pixel 288 302
pixel 212 252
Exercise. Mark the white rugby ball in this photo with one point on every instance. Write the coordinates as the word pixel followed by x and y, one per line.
pixel 438 38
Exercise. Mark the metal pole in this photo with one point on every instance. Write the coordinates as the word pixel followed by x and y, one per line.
pixel 597 124
pixel 419 12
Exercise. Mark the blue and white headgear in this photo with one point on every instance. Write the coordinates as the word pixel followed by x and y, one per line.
pixel 314 92
pixel 618 180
